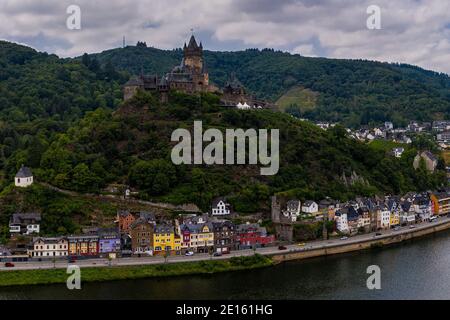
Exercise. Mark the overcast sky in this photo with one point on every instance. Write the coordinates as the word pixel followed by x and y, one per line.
pixel 412 31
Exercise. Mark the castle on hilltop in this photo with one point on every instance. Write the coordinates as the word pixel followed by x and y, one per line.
pixel 190 76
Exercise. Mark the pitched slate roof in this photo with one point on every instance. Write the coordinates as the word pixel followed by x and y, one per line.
pixel 197 228
pixel 216 201
pixel 164 228
pixel 4 251
pixel 431 156
pixel 149 216
pixel 406 205
pixel 442 195
pixel 218 224
pixel 308 203
pixel 246 227
pixel 293 205
pixel 24 172
pixel 18 218
pixel 192 43
pixel 135 81
pixel 48 240
pixel 352 214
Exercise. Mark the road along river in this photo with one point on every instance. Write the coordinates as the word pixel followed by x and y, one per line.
pixel 414 269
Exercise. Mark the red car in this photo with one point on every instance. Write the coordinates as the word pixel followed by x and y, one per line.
pixel 9 264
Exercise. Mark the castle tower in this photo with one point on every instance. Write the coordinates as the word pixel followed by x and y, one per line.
pixel 275 209
pixel 193 56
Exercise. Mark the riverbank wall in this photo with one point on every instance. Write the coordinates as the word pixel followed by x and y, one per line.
pixel 363 244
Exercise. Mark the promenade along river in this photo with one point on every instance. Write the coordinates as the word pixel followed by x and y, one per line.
pixel 416 269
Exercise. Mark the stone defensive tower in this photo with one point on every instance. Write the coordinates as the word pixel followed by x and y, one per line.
pixel 193 56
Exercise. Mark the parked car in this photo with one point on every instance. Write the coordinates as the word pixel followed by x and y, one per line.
pixel 301 244
pixel 72 259
pixel 378 234
pixel 344 238
pixel 396 228
pixel 412 227
pixel 9 264
pixel 217 254
pixel 433 218
pixel 189 253
pixel 282 248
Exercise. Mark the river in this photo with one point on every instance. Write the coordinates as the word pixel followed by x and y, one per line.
pixel 417 269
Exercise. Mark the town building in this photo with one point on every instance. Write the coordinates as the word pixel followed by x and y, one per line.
pixel 220 207
pixel 352 219
pixel 5 254
pixel 328 207
pixel 407 215
pixel 440 202
pixel 83 245
pixel 397 152
pixel 224 233
pixel 340 217
pixel 388 125
pixel 197 237
pixel 109 243
pixel 293 210
pixel 443 137
pixel 383 217
pixel 393 205
pixel 165 241
pixel 124 219
pixel 49 247
pixel 310 207
pixel 429 159
pixel 394 219
pixel 142 233
pixel 441 125
pixel 363 219
pixel 24 177
pixel 423 207
pixel 24 223
pixel 251 235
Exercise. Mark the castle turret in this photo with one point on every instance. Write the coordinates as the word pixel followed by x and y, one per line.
pixel 193 56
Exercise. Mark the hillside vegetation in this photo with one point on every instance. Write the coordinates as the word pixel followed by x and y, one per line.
pixel 65 118
pixel 132 146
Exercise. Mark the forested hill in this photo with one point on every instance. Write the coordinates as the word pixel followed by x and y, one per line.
pixel 351 91
pixel 65 119
pixel 132 146
pixel 41 94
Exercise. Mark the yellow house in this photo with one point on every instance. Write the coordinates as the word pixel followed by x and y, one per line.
pixel 394 219
pixel 164 239
pixel 177 243
pixel 198 237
